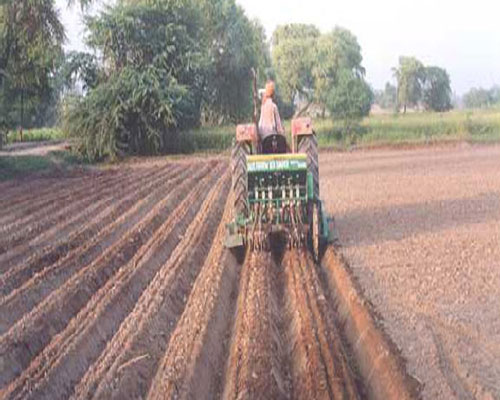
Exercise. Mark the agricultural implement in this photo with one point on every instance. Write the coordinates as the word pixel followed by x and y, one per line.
pixel 276 191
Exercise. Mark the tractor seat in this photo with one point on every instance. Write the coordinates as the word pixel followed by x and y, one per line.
pixel 274 144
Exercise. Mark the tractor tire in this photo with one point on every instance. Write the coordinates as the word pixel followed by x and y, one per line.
pixel 309 145
pixel 315 230
pixel 239 177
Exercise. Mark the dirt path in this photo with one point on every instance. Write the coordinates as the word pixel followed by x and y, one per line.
pixel 32 148
pixel 420 230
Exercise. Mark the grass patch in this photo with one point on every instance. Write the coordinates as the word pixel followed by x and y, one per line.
pixel 36 135
pixel 12 167
pixel 15 166
pixel 476 126
pixel 206 139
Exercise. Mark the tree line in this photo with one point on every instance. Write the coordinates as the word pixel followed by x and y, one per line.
pixel 156 68
pixel 482 98
pixel 416 85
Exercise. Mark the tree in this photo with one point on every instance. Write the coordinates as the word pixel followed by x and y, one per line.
pixel 234 45
pixel 388 97
pixel 293 57
pixel 150 82
pixel 494 93
pixel 30 49
pixel 336 51
pixel 80 67
pixel 350 100
pixel 308 63
pixel 437 89
pixel 477 98
pixel 410 77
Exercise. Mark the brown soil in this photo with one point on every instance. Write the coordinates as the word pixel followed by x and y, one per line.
pixel 116 284
pixel 420 232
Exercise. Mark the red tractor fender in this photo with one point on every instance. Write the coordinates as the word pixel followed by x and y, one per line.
pixel 300 127
pixel 246 133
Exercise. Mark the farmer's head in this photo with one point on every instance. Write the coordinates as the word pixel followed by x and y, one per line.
pixel 269 94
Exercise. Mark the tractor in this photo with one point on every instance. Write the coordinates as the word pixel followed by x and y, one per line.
pixel 276 191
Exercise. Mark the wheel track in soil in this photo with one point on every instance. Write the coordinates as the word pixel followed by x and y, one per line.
pixel 319 366
pixel 27 208
pixel 25 263
pixel 256 366
pixel 143 337
pixel 45 218
pixel 50 276
pixel 28 336
pixel 50 373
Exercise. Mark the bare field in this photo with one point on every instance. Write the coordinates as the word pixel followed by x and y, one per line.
pixel 420 230
pixel 116 284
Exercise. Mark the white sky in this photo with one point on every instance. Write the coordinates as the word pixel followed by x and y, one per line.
pixel 461 36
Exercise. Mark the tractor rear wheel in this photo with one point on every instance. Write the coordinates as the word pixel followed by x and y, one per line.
pixel 315 230
pixel 309 145
pixel 239 175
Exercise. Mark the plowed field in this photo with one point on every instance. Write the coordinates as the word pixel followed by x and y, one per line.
pixel 420 229
pixel 116 284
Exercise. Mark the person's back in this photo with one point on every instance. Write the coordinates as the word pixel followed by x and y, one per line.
pixel 270 121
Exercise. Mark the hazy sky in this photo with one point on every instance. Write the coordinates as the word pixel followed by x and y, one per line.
pixel 461 36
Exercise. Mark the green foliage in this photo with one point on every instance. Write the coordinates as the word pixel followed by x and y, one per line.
pixel 293 49
pixel 36 135
pixel 13 167
pixel 30 48
pixel 152 89
pixel 134 112
pixel 350 100
pixel 482 98
pixel 234 45
pixel 387 98
pixel 410 76
pixel 166 65
pixel 308 64
pixel 437 89
pixel 335 52
pixel 80 67
pixel 375 130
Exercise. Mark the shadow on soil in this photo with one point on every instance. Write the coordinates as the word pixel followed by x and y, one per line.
pixel 381 224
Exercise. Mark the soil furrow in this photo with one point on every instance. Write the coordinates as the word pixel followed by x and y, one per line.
pixel 23 299
pixel 33 194
pixel 200 337
pixel 319 365
pixel 55 214
pixel 380 365
pixel 30 263
pixel 255 367
pixel 34 331
pixel 63 362
pixel 29 206
pixel 143 337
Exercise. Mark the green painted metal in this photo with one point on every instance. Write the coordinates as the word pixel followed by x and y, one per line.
pixel 275 181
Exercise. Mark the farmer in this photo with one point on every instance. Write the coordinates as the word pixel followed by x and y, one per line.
pixel 270 121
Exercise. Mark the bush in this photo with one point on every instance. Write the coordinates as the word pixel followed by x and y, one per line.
pixel 134 112
pixel 150 88
pixel 350 100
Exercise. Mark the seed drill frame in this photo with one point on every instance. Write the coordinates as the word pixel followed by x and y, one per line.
pixel 277 195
